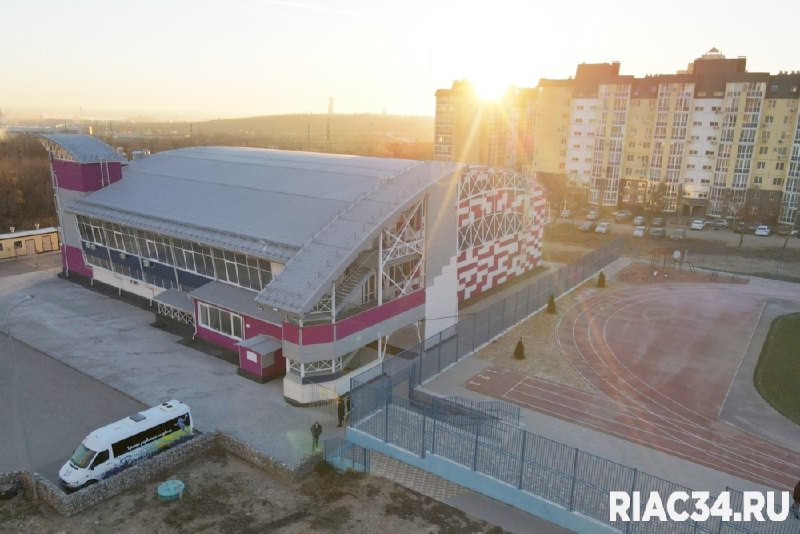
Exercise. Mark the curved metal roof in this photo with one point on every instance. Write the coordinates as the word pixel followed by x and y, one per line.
pixel 308 275
pixel 313 212
pixel 85 148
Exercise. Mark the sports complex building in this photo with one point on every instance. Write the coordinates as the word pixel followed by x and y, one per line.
pixel 305 265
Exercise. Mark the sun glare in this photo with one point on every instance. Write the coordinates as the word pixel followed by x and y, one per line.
pixel 491 87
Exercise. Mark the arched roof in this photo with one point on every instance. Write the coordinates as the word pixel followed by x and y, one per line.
pixel 313 212
pixel 82 148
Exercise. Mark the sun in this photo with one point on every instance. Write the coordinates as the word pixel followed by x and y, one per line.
pixel 491 87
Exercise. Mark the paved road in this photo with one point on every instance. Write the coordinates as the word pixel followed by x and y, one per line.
pixel 48 408
pixel 115 343
pixel 49 261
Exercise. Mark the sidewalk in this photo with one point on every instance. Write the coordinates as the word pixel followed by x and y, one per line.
pixel 660 464
pixel 115 343
pixel 468 501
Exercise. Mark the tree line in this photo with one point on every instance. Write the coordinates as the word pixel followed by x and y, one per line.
pixel 26 189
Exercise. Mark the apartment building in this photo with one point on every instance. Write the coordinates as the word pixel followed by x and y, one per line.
pixel 712 139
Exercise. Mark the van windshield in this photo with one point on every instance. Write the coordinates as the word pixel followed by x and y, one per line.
pixel 82 456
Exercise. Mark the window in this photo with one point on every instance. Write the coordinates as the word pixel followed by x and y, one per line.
pixel 779 166
pixel 219 320
pixel 100 458
pixel 768 119
pixel 763 150
pixel 1 247
pixel 773 195
pixel 760 165
pixel 777 181
pixel 17 244
pixel 758 180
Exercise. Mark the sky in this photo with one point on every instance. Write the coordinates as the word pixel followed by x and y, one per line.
pixel 205 59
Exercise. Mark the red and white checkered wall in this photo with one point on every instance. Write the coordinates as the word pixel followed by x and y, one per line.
pixel 500 222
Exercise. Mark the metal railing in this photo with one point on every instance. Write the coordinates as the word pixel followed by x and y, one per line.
pixel 344 455
pixel 486 438
pixel 575 479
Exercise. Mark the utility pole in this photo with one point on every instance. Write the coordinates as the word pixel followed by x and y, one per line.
pixel 328 141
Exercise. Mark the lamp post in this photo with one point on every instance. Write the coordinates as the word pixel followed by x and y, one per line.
pixel 15 407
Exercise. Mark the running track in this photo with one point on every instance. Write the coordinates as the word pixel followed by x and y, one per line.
pixel 661 359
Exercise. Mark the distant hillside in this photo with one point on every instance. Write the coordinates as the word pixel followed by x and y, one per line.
pixel 391 136
pixel 364 134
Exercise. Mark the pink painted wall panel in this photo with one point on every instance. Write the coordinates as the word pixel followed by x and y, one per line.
pixel 84 178
pixel 373 316
pixel 321 333
pixel 72 260
pixel 291 333
pixel 254 327
pixel 254 368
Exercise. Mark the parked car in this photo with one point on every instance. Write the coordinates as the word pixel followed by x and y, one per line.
pixel 698 224
pixel 717 223
pixel 678 235
pixel 657 221
pixel 592 215
pixel 566 214
pixel 656 232
pixel 603 228
pixel 784 229
pixel 622 215
pixel 639 220
pixel 638 231
pixel 763 230
pixel 587 226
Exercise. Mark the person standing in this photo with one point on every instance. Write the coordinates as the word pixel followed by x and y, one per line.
pixel 795 508
pixel 316 430
pixel 340 411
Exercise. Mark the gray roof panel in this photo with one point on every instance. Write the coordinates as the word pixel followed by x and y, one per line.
pixel 176 299
pixel 308 275
pixel 236 299
pixel 85 148
pixel 265 195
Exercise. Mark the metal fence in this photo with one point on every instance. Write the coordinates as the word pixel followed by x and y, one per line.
pixel 486 438
pixel 575 479
pixel 430 357
pixel 346 455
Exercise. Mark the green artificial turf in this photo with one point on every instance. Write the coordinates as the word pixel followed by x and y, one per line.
pixel 777 375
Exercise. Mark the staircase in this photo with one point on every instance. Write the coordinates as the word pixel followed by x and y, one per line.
pixel 351 282
pixel 364 266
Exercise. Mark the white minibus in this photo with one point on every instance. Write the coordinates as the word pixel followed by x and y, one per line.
pixel 111 448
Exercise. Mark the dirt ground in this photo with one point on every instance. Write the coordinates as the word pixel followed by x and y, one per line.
pixel 543 356
pixel 225 494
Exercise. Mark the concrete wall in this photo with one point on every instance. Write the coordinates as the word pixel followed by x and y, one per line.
pixel 149 469
pixel 441 240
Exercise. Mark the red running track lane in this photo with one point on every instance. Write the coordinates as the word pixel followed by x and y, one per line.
pixel 661 359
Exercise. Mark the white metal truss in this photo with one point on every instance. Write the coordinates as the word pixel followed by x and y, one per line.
pixel 176 313
pixel 402 253
pixel 316 368
pixel 476 184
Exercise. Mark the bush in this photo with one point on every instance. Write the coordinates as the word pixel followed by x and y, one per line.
pixel 551 305
pixel 519 350
pixel 601 279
